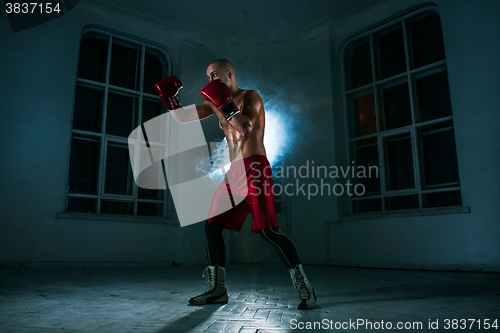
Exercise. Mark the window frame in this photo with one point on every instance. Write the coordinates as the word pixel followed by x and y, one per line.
pixel 139 97
pixel 375 87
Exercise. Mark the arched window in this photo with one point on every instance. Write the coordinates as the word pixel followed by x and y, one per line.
pixel 114 94
pixel 399 116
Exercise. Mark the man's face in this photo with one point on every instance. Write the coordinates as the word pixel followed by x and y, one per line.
pixel 214 72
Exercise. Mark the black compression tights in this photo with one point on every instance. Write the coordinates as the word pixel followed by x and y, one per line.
pixel 216 250
pixel 283 245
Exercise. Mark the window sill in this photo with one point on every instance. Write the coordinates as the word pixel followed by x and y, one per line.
pixel 118 218
pixel 406 213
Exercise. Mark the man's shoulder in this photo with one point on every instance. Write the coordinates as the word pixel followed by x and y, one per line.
pixel 251 92
pixel 252 96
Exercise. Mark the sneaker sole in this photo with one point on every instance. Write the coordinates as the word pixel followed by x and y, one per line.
pixel 303 305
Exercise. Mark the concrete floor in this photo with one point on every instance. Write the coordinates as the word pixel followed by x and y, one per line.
pixel 262 299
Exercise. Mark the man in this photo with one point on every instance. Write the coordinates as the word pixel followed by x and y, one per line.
pixel 242 118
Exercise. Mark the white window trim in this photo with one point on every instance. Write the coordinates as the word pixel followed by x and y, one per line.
pixel 372 87
pixel 105 138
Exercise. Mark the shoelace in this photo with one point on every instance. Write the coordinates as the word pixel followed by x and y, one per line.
pixel 210 275
pixel 300 285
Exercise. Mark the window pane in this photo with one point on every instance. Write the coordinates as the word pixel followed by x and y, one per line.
pixel 362 116
pixel 402 202
pixel 426 39
pixel 395 106
pixel 125 61
pixel 82 205
pixel 153 71
pixel 406 100
pixel 119 178
pixel 365 156
pixel 438 154
pixel 358 64
pixel 88 109
pixel 122 114
pixel 117 207
pixel 93 57
pixel 399 162
pixel 442 199
pixel 150 194
pixel 364 206
pixel 149 209
pixel 390 52
pixel 433 97
pixel 150 110
pixel 84 165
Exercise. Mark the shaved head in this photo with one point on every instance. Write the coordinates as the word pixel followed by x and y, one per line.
pixel 223 64
pixel 222 69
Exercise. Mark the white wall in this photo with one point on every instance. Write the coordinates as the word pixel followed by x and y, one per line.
pixel 465 241
pixel 301 75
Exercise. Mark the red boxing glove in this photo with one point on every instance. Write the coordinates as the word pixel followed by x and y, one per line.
pixel 167 88
pixel 218 93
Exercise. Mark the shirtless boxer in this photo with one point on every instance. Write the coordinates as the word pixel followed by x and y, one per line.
pixel 242 118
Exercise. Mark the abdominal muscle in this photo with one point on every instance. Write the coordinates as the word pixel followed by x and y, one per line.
pixel 251 145
pixel 248 146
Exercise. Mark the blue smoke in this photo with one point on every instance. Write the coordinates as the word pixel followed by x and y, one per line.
pixel 278 137
pixel 286 126
pixel 219 161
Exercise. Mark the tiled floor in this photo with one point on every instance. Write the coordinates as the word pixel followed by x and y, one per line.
pixel 262 299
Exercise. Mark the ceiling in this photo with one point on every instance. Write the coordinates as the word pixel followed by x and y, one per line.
pixel 258 20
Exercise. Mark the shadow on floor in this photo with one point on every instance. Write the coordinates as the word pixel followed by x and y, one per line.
pixel 185 323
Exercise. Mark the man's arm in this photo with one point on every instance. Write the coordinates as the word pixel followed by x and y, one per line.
pixel 183 116
pixel 204 110
pixel 252 106
pixel 219 95
pixel 167 89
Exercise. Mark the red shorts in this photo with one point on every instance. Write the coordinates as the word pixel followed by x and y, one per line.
pixel 257 178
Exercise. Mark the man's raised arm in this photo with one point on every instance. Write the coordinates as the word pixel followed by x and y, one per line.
pixel 219 95
pixel 168 88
